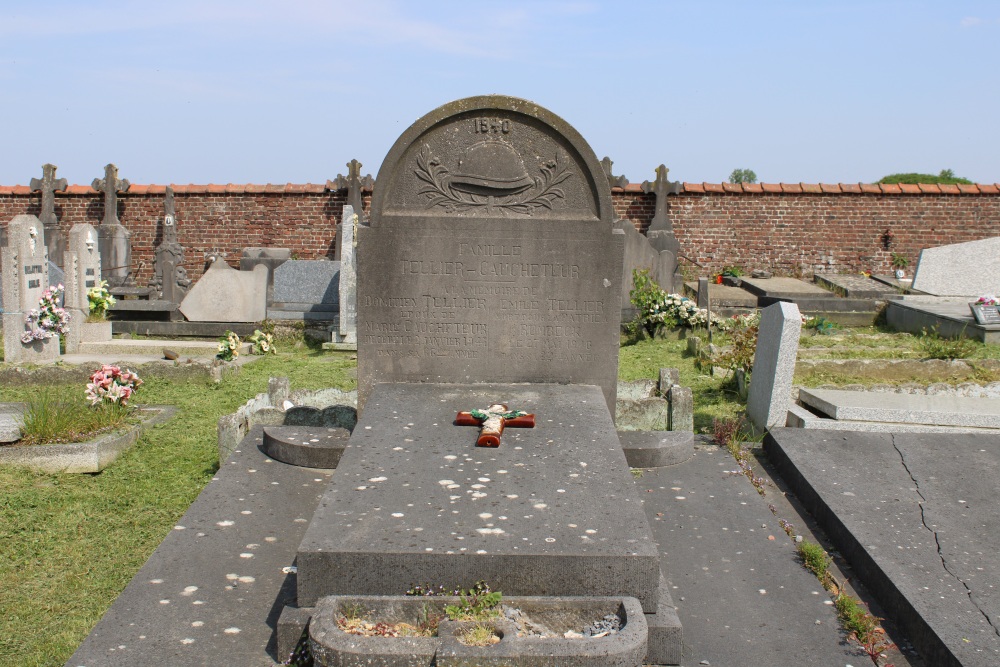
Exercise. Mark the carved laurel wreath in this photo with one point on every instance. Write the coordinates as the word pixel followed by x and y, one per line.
pixel 440 192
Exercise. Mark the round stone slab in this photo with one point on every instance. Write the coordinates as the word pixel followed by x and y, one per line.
pixel 304 446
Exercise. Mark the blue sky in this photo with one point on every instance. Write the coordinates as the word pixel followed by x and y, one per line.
pixel 246 91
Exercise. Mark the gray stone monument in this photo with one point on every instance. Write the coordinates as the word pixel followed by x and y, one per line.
pixel 969 269
pixel 345 337
pixel 48 185
pixel 774 365
pixel 26 264
pixel 661 230
pixel 113 238
pixel 613 181
pixel 269 258
pixel 170 281
pixel 224 294
pixel 353 183
pixel 490 255
pixel 82 273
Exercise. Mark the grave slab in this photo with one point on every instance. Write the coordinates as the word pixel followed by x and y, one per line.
pixel 785 288
pixel 800 417
pixel 959 269
pixel 939 410
pixel 855 286
pixel 915 515
pixel 306 286
pixel 224 294
pixel 221 606
pixel 414 500
pixel 950 315
pixel 725 296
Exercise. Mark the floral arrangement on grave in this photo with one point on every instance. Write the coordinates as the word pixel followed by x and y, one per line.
pixel 261 343
pixel 229 347
pixel 657 308
pixel 988 300
pixel 100 301
pixel 49 319
pixel 110 385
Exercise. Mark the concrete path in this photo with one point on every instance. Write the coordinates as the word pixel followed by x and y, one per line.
pixel 916 515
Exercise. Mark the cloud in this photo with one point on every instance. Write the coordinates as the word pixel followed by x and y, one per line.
pixel 970 21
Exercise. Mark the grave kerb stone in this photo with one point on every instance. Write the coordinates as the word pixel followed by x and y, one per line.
pixel 774 365
pixel 345 337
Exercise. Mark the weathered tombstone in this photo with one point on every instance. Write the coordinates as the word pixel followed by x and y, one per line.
pixel 224 294
pixel 661 230
pixel 489 273
pixel 613 181
pixel 489 255
pixel 704 300
pixel 26 263
pixel 48 185
pixel 968 269
pixel 639 254
pixel 113 238
pixel 345 337
pixel 83 273
pixel 774 365
pixel 270 258
pixel 169 281
pixel 353 183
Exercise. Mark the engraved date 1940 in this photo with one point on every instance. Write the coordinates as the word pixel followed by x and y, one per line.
pixel 491 125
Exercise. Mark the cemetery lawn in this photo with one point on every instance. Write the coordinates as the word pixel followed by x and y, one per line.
pixel 69 544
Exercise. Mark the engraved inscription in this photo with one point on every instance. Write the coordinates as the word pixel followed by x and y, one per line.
pixel 34 283
pixel 491 125
pixel 33 268
pixel 89 283
pixel 89 272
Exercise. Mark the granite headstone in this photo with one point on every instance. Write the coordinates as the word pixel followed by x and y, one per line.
pixel 354 182
pixel 774 365
pixel 960 269
pixel 224 294
pixel 113 237
pixel 48 185
pixel 305 287
pixel 345 337
pixel 82 273
pixel 170 281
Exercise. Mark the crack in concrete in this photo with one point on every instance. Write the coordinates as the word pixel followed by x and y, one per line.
pixel 937 541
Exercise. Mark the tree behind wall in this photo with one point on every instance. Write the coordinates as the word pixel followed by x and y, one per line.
pixel 743 176
pixel 946 176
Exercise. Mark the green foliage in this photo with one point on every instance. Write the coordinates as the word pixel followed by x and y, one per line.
pixel 821 325
pixel 99 300
pixel 947 176
pixel 478 635
pixel 743 176
pixel 815 558
pixel 229 347
pixel 899 261
pixel 646 296
pixel 732 270
pixel 262 343
pixel 478 603
pixel 933 346
pixel 743 345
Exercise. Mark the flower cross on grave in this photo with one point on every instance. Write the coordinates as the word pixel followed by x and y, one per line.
pixel 49 319
pixel 492 421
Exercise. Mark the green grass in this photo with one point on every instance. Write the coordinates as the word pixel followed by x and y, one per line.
pixel 61 558
pixel 68 417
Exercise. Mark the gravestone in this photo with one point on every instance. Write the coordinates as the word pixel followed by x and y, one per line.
pixel 353 183
pixel 489 283
pixel 494 258
pixel 82 273
pixel 661 230
pixel 169 281
pixel 774 365
pixel 48 185
pixel 345 337
pixel 961 269
pixel 224 294
pixel 305 289
pixel 270 258
pixel 26 264
pixel 613 181
pixel 113 238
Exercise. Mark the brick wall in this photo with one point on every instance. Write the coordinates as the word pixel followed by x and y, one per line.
pixel 791 229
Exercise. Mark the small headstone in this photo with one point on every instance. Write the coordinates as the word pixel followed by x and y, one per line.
pixel 83 273
pixel 960 269
pixel 170 281
pixel 681 409
pixel 48 185
pixel 26 263
pixel 353 183
pixel 224 294
pixel 668 378
pixel 271 258
pixel 346 335
pixel 703 294
pixel 113 238
pixel 770 391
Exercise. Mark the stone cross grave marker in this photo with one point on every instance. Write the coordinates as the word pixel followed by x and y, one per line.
pixel 662 187
pixel 345 336
pixel 492 422
pixel 169 281
pixel 26 263
pixel 353 183
pixel 613 181
pixel 48 185
pixel 113 238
